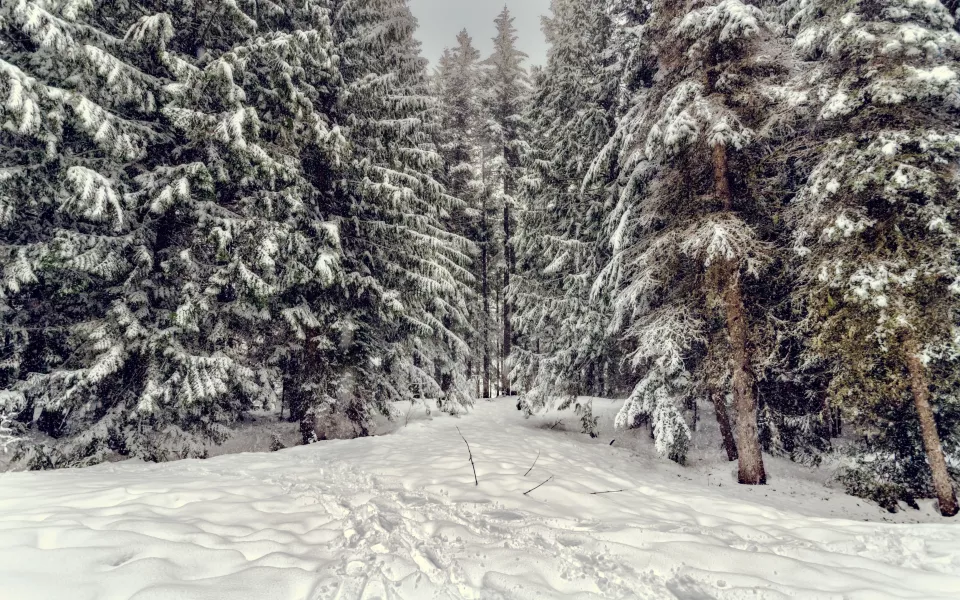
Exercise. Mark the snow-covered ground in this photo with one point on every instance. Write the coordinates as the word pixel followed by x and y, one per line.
pixel 399 517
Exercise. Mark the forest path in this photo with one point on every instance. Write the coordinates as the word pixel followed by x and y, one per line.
pixel 398 517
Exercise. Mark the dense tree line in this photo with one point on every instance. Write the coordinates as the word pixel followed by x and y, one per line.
pixel 483 135
pixel 215 206
pixel 755 206
pixel 209 207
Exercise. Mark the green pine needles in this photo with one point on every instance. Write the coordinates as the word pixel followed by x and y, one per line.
pixel 200 217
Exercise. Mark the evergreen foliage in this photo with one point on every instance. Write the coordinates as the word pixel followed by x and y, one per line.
pixel 396 329
pixel 506 90
pixel 875 229
pixel 566 350
pixel 460 133
pixel 483 140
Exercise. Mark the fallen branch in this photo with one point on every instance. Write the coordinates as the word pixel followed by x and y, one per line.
pixel 533 465
pixel 609 492
pixel 470 452
pixel 542 484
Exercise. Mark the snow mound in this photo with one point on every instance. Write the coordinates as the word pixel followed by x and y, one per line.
pixel 398 517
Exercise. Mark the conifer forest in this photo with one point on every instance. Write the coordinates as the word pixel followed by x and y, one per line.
pixel 725 230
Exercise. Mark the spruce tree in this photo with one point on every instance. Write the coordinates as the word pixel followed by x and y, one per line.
pixel 461 136
pixel 506 88
pixel 166 166
pixel 565 349
pixel 876 230
pixel 81 111
pixel 402 315
pixel 687 231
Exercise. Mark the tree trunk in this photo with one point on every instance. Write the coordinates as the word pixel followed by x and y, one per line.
pixel 920 385
pixel 497 345
pixel 723 420
pixel 745 402
pixel 602 384
pixel 832 419
pixel 484 277
pixel 751 470
pixel 507 309
pixel 485 292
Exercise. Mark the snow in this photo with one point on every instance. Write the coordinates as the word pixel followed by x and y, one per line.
pixel 939 74
pixel 95 197
pixel 398 517
pixel 838 105
pixel 734 20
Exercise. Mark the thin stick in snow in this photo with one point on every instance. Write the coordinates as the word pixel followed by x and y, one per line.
pixel 609 492
pixel 475 480
pixel 533 465
pixel 542 484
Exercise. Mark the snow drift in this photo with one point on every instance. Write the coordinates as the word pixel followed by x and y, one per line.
pixel 399 517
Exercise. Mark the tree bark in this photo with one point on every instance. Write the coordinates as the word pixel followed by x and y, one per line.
pixel 497 345
pixel 920 385
pixel 723 420
pixel 507 309
pixel 832 419
pixel 602 383
pixel 721 177
pixel 485 292
pixel 751 469
pixel 484 277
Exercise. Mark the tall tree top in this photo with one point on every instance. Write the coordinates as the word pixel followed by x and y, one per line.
pixel 465 52
pixel 506 55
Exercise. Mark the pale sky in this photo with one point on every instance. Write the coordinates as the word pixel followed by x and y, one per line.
pixel 441 20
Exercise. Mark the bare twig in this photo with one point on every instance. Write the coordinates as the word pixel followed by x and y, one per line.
pixel 559 421
pixel 470 452
pixel 610 492
pixel 206 28
pixel 542 484
pixel 533 465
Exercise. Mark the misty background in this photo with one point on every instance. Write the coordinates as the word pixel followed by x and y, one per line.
pixel 441 20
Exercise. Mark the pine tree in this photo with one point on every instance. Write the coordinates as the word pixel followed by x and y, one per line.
pixel 461 145
pixel 261 113
pixel 170 151
pixel 204 206
pixel 875 227
pixel 687 229
pixel 402 308
pixel 565 348
pixel 506 86
pixel 80 111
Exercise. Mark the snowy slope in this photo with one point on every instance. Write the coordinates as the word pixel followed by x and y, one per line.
pixel 399 517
